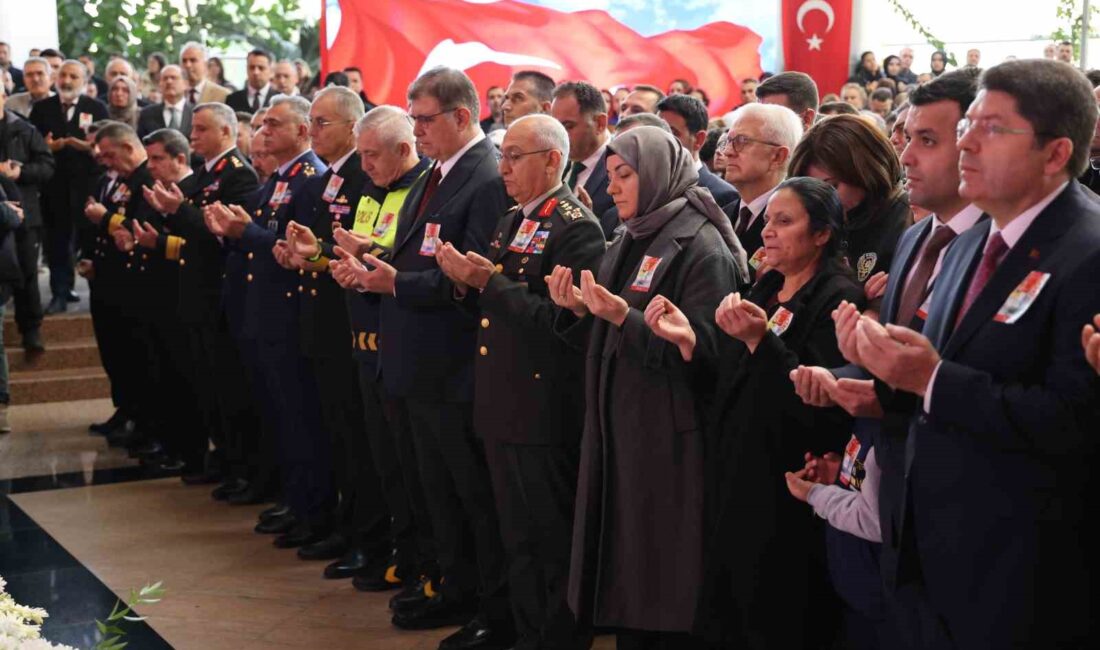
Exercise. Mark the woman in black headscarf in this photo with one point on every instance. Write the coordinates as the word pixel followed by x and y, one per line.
pixel 637 540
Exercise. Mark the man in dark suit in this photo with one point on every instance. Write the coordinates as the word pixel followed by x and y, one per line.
pixel 794 90
pixel 998 452
pixel 271 318
pixel 100 82
pixel 758 149
pixel 257 92
pixel 174 111
pixel 532 458
pixel 687 117
pixel 64 120
pixel 6 64
pixel 581 109
pixel 427 358
pixel 494 96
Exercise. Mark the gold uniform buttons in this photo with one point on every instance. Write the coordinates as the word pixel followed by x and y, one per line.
pixel 524 260
pixel 313 292
pixel 183 262
pixel 484 351
pixel 301 288
pixel 499 268
pixel 485 323
pixel 289 294
pixel 315 275
pixel 538 376
pixel 248 277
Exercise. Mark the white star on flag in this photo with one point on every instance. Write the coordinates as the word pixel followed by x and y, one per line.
pixel 815 42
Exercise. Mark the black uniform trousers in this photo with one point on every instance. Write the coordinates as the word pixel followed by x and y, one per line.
pixel 460 501
pixel 535 487
pixel 26 295
pixel 177 416
pixel 361 514
pixel 111 328
pixel 254 425
pixel 394 455
pixel 61 211
pixel 303 446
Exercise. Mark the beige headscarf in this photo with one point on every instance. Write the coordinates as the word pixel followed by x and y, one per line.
pixel 667 181
pixel 127 114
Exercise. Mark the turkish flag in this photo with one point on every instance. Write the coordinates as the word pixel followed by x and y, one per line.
pixel 394 40
pixel 817 40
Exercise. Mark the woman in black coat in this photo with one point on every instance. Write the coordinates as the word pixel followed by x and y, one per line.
pixel 762 570
pixel 638 529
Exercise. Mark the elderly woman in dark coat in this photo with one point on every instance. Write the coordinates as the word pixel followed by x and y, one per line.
pixel 765 583
pixel 638 534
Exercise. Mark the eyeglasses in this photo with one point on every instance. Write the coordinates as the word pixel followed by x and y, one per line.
pixel 739 142
pixel 321 122
pixel 986 129
pixel 425 120
pixel 513 156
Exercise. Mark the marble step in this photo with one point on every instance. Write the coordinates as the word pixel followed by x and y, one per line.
pixel 62 328
pixel 62 385
pixel 81 353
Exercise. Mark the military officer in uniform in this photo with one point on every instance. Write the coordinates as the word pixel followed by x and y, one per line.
pixel 217 376
pixel 387 151
pixel 270 317
pixel 531 438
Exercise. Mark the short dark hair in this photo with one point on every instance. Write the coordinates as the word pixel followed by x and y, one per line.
pixel 799 87
pixel 49 52
pixel 1066 43
pixel 837 108
pixel 244 116
pixel 544 85
pixel 882 95
pixel 1056 99
pixel 173 141
pixel 959 86
pixel 653 89
pixel 688 107
pixel 450 87
pixel 822 204
pixel 491 89
pixel 685 83
pixel 336 79
pixel 705 97
pixel 710 145
pixel 259 52
pixel 352 68
pixel 589 98
pixel 1093 77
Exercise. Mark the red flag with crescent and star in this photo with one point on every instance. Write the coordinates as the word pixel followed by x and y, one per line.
pixel 817 38
pixel 394 40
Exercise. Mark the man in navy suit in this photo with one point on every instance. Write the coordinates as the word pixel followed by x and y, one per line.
pixel 581 109
pixel 998 448
pixel 687 117
pixel 427 347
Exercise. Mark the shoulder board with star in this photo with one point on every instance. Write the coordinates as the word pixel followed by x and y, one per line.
pixel 308 169
pixel 570 210
pixel 236 162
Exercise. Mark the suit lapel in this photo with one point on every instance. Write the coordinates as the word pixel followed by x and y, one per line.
pixel 597 180
pixel 903 260
pixel 958 267
pixel 448 187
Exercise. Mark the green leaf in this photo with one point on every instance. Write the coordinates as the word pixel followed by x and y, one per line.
pixel 101 627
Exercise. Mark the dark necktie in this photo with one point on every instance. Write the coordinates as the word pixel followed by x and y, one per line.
pixel 743 219
pixel 65 108
pixel 917 290
pixel 255 101
pixel 575 174
pixel 994 253
pixel 194 96
pixel 429 189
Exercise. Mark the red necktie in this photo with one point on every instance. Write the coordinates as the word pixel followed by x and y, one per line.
pixel 429 189
pixel 994 253
pixel 917 289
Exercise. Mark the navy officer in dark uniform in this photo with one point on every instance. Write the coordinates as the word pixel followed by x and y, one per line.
pixel 531 438
pixel 289 391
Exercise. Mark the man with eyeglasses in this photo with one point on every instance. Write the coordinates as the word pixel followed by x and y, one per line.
pixel 757 150
pixel 259 279
pixel 999 441
pixel 427 356
pixel 532 438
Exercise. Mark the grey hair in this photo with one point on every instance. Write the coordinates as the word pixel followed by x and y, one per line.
pixel 298 105
pixel 391 124
pixel 223 114
pixel 641 119
pixel 119 59
pixel 117 132
pixel 191 45
pixel 79 64
pixel 172 65
pixel 348 104
pixel 40 61
pixel 548 134
pixel 781 125
pixel 450 87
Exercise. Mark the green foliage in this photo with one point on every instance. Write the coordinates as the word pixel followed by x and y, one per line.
pixel 137 28
pixel 112 630
pixel 922 30
pixel 1071 16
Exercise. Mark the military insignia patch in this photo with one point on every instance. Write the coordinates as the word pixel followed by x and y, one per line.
pixel 865 265
pixel 220 166
pixel 294 170
pixel 570 211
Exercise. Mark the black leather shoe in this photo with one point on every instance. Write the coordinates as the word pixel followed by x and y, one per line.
pixel 58 305
pixel 435 613
pixel 481 635
pixel 300 535
pixel 249 496
pixel 169 465
pixel 329 548
pixel 277 510
pixel 73 297
pixel 411 596
pixel 276 525
pixel 126 435
pixel 375 580
pixel 32 342
pixel 117 419
pixel 228 487
pixel 348 566
pixel 147 450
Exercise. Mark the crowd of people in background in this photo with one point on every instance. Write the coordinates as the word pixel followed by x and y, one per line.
pixel 588 365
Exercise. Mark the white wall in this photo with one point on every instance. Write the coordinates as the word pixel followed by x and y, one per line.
pixel 28 23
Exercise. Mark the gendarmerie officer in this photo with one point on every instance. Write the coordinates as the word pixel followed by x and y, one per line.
pixel 531 438
pixel 387 151
pixel 270 318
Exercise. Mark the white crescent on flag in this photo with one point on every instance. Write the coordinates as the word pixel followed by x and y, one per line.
pixel 464 56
